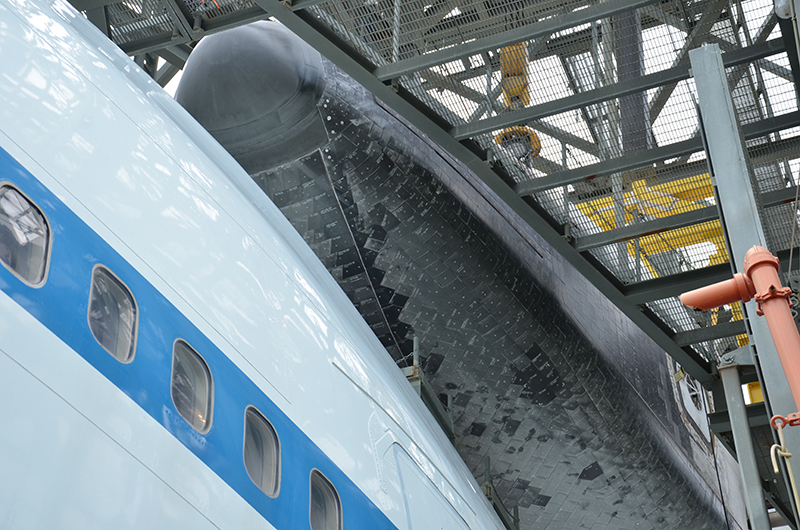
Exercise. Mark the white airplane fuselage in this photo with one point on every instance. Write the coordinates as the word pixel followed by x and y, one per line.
pixel 129 183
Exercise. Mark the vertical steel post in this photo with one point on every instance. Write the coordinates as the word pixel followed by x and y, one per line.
pixel 396 32
pixel 415 355
pixel 740 214
pixel 754 496
pixel 633 108
pixel 565 194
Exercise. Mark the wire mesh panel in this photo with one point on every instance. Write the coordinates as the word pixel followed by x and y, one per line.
pixel 138 20
pixel 388 30
pixel 584 60
pixel 659 117
pixel 684 321
pixel 134 20
pixel 680 318
pixel 210 9
pixel 597 54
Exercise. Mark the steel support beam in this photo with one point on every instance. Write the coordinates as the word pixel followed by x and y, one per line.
pixel 741 217
pixel 576 43
pixel 776 69
pixel 564 45
pixel 437 12
pixel 303 4
pixel 608 167
pixel 437 30
pixel 564 136
pixel 663 224
pixel 147 62
pixel 710 16
pixel 751 130
pixel 341 53
pixel 178 16
pixel 576 101
pixel 453 85
pixel 646 228
pixel 764 64
pixel 718 331
pixel 528 32
pixel 165 74
pixel 88 5
pixel 745 452
pixel 155 43
pixel 665 18
pixel 598 95
pixel 152 43
pixel 778 197
pixel 675 284
pixel 763 34
pixel 720 422
pixel 658 13
pixel 603 141
pixel 176 55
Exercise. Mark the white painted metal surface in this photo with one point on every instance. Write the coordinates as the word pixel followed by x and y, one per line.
pixel 81 117
pixel 78 453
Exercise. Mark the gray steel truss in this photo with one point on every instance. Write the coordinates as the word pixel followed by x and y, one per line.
pixel 407 82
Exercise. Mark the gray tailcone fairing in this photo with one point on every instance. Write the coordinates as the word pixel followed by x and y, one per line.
pixel 261 106
pixel 575 405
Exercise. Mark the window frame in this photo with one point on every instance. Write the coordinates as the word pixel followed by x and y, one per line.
pixel 340 522
pixel 278 451
pixel 48 247
pixel 210 386
pixel 135 306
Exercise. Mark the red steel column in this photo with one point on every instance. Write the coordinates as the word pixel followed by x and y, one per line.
pixel 773 300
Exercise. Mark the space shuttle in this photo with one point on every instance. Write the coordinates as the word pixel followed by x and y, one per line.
pixel 555 400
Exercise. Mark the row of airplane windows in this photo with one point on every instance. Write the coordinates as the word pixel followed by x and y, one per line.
pixel 113 320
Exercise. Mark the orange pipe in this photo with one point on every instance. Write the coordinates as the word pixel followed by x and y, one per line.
pixel 738 288
pixel 760 279
pixel 773 302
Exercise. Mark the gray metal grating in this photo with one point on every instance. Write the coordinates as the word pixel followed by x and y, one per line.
pixel 137 19
pixel 386 30
pixel 211 9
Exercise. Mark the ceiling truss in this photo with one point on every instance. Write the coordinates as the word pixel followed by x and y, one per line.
pixel 417 56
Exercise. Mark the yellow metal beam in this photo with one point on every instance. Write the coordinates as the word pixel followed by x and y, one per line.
pixel 661 200
pixel 514 67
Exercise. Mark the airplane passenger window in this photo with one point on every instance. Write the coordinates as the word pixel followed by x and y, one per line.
pixel 326 508
pixel 24 236
pixel 192 388
pixel 261 452
pixel 113 317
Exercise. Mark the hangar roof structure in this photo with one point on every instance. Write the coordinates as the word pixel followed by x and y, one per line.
pixel 580 115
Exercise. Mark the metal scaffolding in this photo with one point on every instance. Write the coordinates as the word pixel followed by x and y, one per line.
pixel 580 115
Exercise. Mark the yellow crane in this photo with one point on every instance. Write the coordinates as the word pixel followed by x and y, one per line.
pixel 523 141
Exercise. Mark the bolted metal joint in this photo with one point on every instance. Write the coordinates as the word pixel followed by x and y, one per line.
pixel 739 357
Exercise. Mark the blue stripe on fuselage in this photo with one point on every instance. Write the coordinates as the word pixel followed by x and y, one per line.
pixel 61 305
